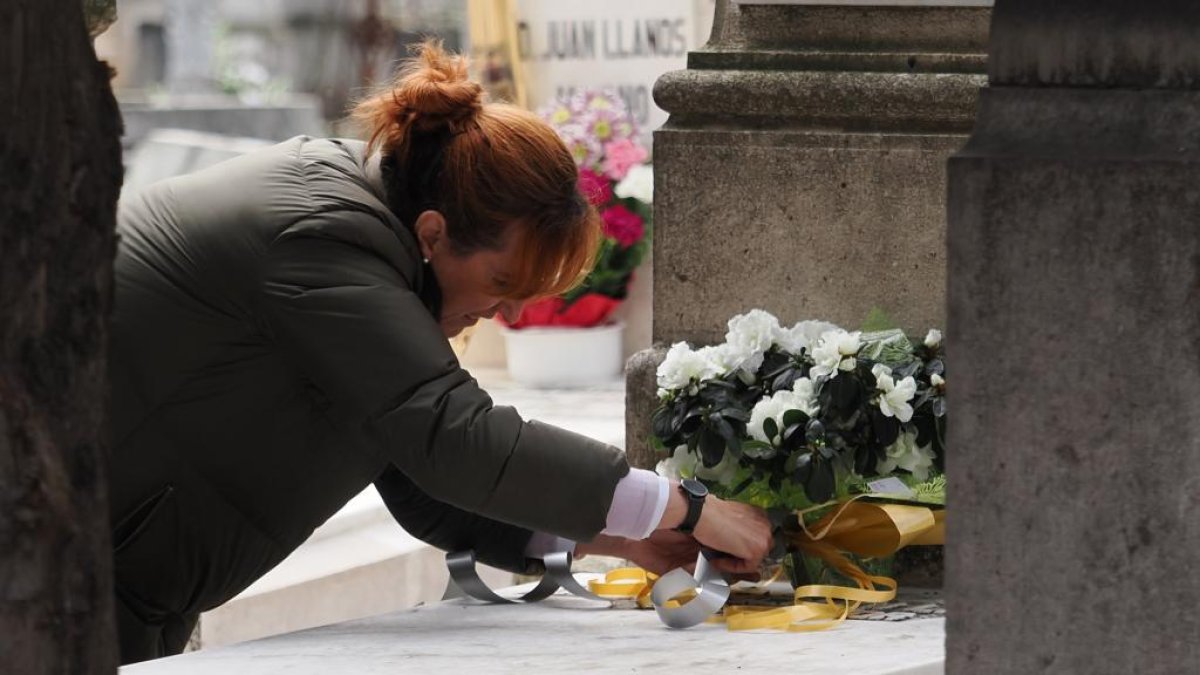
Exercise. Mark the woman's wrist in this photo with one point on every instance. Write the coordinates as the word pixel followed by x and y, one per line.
pixel 603 544
pixel 676 509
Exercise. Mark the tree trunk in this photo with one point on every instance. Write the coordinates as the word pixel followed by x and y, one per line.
pixel 60 172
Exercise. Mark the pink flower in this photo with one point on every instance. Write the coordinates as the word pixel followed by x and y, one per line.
pixel 595 187
pixel 622 155
pixel 623 225
pixel 585 149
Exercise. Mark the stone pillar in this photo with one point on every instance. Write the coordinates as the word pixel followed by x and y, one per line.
pixel 802 171
pixel 1074 325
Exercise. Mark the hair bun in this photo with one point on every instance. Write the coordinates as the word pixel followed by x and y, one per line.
pixel 434 90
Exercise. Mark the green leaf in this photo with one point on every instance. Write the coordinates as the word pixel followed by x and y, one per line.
pixel 755 444
pixel 793 438
pixel 820 483
pixel 770 428
pixel 726 431
pixel 757 492
pixel 932 491
pixel 712 447
pixel 789 467
pixel 736 414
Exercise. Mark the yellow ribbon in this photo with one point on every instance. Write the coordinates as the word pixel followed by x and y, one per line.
pixel 626 582
pixel 867 529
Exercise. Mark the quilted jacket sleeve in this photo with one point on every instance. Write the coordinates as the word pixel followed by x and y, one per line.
pixel 453 529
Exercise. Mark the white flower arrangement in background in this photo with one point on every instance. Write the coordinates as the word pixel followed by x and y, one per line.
pixel 637 184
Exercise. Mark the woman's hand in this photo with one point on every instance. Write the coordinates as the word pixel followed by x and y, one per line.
pixel 741 531
pixel 662 552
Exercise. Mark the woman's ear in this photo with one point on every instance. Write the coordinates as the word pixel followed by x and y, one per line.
pixel 430 229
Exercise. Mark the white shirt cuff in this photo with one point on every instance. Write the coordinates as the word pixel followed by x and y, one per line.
pixel 638 504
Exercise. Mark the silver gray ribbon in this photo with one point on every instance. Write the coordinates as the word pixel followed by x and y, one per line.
pixel 463 573
pixel 712 591
pixel 558 575
pixel 558 568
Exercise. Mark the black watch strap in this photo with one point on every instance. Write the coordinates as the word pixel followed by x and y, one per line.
pixel 695 493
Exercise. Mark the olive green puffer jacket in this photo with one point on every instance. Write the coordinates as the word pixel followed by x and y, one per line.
pixel 272 356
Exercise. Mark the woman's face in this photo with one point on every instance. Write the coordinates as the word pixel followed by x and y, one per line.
pixel 470 282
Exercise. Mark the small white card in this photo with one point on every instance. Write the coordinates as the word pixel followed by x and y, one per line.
pixel 890 486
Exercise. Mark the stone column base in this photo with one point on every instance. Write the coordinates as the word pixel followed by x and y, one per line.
pixel 641 399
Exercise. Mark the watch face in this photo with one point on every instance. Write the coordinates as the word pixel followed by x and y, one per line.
pixel 694 487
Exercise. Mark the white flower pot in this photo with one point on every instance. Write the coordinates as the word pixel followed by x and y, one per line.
pixel 567 358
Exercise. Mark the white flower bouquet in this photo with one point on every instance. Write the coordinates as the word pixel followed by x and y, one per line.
pixel 800 418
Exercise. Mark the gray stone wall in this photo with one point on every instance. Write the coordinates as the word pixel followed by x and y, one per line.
pixel 1074 311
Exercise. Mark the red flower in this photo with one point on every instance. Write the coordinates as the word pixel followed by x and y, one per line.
pixel 623 225
pixel 595 187
pixel 591 309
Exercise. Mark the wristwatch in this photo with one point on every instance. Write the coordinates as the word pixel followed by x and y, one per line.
pixel 695 492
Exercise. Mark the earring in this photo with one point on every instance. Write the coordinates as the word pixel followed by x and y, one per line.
pixel 425 260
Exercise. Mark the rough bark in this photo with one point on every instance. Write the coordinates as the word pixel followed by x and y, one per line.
pixel 60 172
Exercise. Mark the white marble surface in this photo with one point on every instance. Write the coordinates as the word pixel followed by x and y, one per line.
pixel 597 411
pixel 561 633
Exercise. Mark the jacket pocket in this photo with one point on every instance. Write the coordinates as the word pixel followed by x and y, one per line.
pixel 132 525
pixel 145 558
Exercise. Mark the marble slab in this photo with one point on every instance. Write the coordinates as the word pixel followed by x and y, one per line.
pixel 565 632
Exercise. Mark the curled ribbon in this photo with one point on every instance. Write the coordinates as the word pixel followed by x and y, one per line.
pixel 626 582
pixel 706 593
pixel 558 575
pixel 682 600
pixel 464 575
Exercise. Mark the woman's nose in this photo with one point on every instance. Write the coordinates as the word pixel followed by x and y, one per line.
pixel 511 310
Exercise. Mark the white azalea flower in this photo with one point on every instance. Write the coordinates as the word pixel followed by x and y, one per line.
pixel 637 184
pixel 834 351
pixel 749 336
pixel 682 366
pixel 681 464
pixel 904 454
pixel 933 338
pixel 721 359
pixel 807 392
pixel 803 335
pixel 766 408
pixel 894 396
pixel 801 397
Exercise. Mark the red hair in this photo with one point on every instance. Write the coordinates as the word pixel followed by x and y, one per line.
pixel 486 167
